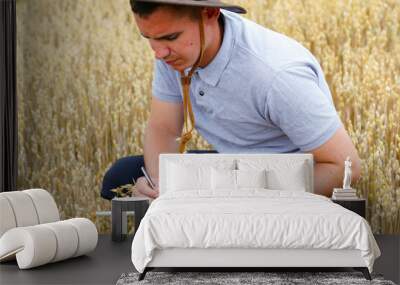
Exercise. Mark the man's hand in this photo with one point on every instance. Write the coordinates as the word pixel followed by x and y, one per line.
pixel 144 189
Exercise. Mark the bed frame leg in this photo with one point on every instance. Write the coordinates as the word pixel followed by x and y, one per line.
pixel 143 274
pixel 364 271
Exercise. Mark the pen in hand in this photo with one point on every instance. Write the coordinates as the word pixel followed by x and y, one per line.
pixel 149 181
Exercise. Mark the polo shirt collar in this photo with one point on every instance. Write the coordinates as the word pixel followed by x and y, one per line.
pixel 212 73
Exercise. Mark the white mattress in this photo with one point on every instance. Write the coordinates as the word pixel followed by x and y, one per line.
pixel 252 219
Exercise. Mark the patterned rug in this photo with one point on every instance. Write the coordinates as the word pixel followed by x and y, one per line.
pixel 243 278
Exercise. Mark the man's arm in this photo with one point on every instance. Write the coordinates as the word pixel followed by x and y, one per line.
pixel 329 159
pixel 164 126
pixel 306 114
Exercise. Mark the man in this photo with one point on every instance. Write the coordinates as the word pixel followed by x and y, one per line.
pixel 252 90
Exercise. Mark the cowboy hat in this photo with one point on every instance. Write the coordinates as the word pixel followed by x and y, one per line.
pixel 199 3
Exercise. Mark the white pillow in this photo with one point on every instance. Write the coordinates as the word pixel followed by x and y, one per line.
pixel 187 177
pixel 251 178
pixel 227 179
pixel 193 174
pixel 223 179
pixel 288 174
pixel 295 180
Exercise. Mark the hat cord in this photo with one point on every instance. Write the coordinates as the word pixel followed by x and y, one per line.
pixel 187 105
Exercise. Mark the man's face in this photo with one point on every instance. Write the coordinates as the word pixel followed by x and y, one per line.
pixel 173 36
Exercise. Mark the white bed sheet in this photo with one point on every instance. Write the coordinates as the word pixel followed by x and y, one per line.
pixel 252 218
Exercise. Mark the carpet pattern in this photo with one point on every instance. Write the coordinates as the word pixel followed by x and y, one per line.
pixel 269 278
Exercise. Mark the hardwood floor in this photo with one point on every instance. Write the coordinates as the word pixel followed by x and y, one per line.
pixel 111 259
pixel 389 262
pixel 102 266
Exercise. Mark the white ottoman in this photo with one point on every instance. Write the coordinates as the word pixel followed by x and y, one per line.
pixel 31 232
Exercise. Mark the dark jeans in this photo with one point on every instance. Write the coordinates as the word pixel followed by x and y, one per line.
pixel 126 168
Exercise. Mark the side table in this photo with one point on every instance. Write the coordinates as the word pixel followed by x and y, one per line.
pixel 357 205
pixel 119 207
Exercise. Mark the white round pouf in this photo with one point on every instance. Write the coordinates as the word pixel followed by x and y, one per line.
pixel 7 218
pixel 87 234
pixel 45 205
pixel 33 246
pixel 67 240
pixel 23 208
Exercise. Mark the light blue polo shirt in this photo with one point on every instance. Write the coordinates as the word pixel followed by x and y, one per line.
pixel 262 93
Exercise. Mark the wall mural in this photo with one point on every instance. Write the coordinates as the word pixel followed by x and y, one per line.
pixel 84 86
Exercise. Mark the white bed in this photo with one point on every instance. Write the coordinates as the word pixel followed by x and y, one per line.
pixel 268 217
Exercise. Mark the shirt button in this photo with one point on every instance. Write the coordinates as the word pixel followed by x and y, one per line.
pixel 201 93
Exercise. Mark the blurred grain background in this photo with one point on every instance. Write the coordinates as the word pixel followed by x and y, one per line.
pixel 84 85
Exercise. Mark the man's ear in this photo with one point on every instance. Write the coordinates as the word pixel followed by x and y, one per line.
pixel 211 13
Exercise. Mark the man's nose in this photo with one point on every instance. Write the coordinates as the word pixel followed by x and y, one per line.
pixel 160 51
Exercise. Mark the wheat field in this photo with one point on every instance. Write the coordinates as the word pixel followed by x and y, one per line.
pixel 84 85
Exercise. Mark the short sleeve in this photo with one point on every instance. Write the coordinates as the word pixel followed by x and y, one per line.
pixel 298 106
pixel 165 84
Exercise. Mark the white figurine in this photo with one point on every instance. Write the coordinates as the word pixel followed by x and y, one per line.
pixel 347 174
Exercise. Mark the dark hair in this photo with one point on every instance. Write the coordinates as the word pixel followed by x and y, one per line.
pixel 144 9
